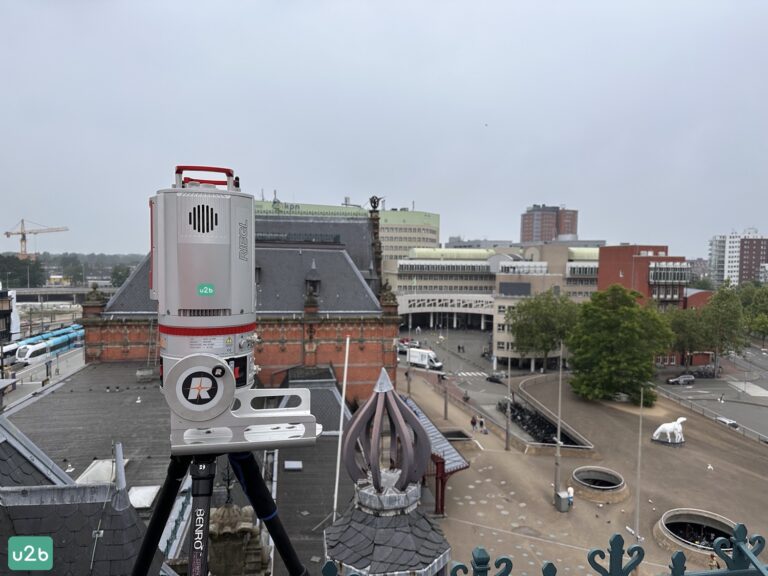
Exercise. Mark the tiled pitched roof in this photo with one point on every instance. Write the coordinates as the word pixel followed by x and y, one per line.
pixel 454 461
pixel 387 544
pixel 22 463
pixel 281 286
pixel 132 298
pixel 71 515
pixel 355 235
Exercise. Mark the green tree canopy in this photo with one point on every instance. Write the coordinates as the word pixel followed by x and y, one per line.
pixel 703 284
pixel 538 324
pixel 613 345
pixel 724 325
pixel 760 327
pixel 14 273
pixel 688 329
pixel 120 273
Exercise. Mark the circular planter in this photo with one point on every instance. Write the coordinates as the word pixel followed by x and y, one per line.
pixel 598 484
pixel 691 529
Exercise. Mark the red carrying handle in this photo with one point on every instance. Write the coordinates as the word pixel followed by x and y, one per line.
pixel 186 179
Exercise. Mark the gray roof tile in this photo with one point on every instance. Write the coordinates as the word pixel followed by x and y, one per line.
pixel 22 463
pixel 403 543
pixel 132 298
pixel 454 461
pixel 281 288
pixel 355 235
pixel 70 514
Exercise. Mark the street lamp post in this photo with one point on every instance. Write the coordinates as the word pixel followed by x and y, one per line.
pixel 508 411
pixel 639 461
pixel 559 411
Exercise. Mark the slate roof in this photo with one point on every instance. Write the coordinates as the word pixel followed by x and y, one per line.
pixel 305 498
pixel 387 544
pixel 132 298
pixel 70 515
pixel 283 271
pixel 78 420
pixel 454 461
pixel 281 287
pixel 24 464
pixel 354 234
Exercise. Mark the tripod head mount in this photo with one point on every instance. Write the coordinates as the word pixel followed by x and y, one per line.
pixel 209 417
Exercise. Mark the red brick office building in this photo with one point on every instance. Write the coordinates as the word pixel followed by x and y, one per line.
pixel 646 269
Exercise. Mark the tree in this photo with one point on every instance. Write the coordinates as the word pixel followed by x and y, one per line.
pixel 15 273
pixel 723 318
pixel 72 268
pixel 688 329
pixel 613 345
pixel 538 324
pixel 120 273
pixel 760 327
pixel 703 284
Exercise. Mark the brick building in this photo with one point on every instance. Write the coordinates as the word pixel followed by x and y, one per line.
pixel 648 270
pixel 541 223
pixel 753 252
pixel 310 295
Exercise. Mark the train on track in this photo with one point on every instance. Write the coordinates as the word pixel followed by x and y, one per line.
pixel 40 348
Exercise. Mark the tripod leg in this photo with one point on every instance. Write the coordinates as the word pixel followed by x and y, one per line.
pixel 177 469
pixel 203 472
pixel 248 474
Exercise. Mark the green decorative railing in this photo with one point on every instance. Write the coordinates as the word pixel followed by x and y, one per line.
pixel 739 554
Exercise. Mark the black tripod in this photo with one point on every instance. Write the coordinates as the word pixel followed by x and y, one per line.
pixel 203 471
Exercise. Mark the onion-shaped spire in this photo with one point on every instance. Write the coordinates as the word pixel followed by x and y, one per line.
pixel 386 428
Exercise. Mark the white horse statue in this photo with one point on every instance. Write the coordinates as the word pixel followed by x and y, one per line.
pixel 670 428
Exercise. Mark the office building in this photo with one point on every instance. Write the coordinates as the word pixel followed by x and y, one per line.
pixel 649 270
pixel 542 223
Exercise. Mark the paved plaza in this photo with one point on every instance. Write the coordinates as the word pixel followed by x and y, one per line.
pixel 503 501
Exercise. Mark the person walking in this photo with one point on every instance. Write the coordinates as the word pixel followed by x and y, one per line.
pixel 474 423
pixel 713 563
pixel 483 429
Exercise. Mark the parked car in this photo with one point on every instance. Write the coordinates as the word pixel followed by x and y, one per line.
pixel 682 379
pixel 728 422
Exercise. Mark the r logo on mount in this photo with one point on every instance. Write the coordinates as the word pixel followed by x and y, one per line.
pixel 199 388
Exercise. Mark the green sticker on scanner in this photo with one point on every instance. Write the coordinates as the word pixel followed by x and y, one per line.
pixel 206 290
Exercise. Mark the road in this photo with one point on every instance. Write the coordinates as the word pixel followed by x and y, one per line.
pixel 734 397
pixel 469 369
pixel 741 395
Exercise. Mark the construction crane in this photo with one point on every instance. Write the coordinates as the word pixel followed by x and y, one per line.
pixel 21 230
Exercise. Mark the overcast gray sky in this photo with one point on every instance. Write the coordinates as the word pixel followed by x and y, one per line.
pixel 649 117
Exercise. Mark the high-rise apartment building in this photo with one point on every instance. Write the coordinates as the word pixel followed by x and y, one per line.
pixel 542 223
pixel 725 255
pixel 753 253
